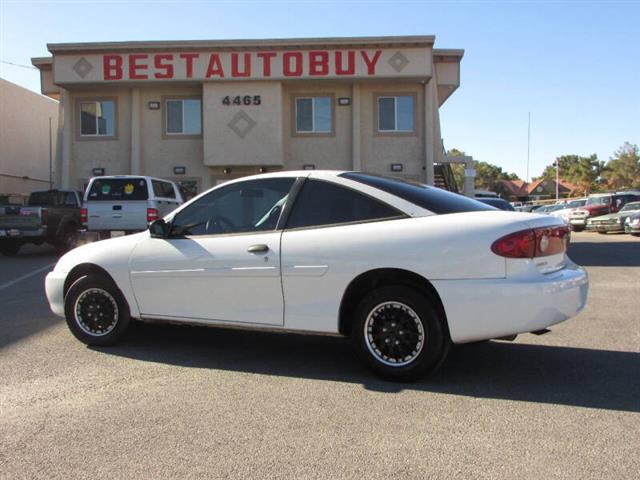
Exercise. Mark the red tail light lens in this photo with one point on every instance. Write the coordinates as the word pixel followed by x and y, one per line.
pixel 83 216
pixel 540 242
pixel 152 214
pixel 44 216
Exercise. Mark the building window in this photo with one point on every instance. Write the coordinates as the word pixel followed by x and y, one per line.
pixel 396 113
pixel 314 115
pixel 183 116
pixel 97 118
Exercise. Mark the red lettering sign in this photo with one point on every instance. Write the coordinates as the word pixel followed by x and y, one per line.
pixel 351 63
pixel 289 69
pixel 112 67
pixel 235 71
pixel 134 66
pixel 318 63
pixel 215 66
pixel 188 58
pixel 160 66
pixel 266 62
pixel 371 62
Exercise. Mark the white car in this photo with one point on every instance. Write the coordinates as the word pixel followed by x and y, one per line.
pixel 401 268
pixel 569 207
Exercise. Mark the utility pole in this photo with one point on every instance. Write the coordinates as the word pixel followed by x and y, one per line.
pixel 557 179
pixel 528 145
pixel 50 157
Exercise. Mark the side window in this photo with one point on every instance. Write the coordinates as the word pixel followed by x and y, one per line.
pixel 183 116
pixel 313 115
pixel 324 203
pixel 396 113
pixel 97 118
pixel 163 189
pixel 251 206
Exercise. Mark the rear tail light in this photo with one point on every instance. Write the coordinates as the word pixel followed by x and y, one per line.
pixel 539 242
pixel 83 216
pixel 152 214
pixel 44 216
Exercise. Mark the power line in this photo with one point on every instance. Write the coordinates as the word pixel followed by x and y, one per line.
pixel 30 67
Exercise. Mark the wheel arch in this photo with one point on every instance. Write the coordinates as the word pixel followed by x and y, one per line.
pixel 381 277
pixel 83 270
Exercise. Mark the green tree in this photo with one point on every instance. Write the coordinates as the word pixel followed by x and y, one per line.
pixel 488 176
pixel 623 169
pixel 583 172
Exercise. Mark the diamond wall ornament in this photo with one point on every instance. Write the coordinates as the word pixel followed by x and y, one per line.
pixel 241 124
pixel 82 67
pixel 398 61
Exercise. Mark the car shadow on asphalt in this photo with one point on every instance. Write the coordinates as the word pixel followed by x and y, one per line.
pixel 500 370
pixel 609 254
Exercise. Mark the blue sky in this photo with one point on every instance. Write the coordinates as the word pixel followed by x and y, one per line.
pixel 574 65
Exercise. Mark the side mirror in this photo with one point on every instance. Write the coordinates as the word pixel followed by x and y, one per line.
pixel 159 228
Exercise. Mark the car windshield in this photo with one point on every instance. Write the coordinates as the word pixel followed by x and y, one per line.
pixel 576 203
pixel 631 206
pixel 431 198
pixel 598 201
pixel 118 189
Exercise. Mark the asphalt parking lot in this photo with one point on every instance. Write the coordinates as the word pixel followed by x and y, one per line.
pixel 188 402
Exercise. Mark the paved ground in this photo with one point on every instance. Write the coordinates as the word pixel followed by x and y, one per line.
pixel 187 402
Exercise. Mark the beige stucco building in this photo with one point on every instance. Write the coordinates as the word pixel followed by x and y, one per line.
pixel 26 122
pixel 202 112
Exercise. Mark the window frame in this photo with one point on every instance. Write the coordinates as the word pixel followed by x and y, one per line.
pixel 296 197
pixel 165 117
pixel 95 136
pixel 396 132
pixel 294 114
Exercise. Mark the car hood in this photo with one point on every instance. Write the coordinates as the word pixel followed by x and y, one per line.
pixel 113 249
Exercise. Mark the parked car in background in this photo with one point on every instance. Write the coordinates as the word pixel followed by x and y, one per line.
pixel 567 208
pixel 632 225
pixel 498 203
pixel 50 216
pixel 547 209
pixel 127 203
pixel 396 266
pixel 613 222
pixel 600 204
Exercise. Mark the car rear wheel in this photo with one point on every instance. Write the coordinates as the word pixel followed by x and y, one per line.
pixel 399 334
pixel 67 240
pixel 96 311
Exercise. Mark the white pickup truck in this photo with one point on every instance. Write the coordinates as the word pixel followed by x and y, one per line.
pixel 127 203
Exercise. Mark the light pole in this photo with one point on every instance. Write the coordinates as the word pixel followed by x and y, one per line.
pixel 557 179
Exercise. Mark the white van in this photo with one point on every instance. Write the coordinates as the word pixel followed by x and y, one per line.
pixel 127 203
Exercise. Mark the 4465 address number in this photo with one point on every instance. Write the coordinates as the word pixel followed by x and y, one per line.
pixel 242 100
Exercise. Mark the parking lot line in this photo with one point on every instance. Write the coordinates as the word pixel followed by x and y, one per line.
pixel 24 277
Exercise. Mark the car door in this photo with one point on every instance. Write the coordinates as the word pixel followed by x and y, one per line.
pixel 325 245
pixel 221 261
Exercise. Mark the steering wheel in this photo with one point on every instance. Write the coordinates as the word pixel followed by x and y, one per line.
pixel 219 224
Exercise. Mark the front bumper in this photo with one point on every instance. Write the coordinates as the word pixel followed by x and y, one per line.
pixel 579 222
pixel 54 288
pixel 483 309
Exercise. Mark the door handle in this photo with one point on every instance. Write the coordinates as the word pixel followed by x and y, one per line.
pixel 259 248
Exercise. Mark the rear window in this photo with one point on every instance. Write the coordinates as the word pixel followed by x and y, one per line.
pixel 46 199
pixel 118 189
pixel 498 203
pixel 433 199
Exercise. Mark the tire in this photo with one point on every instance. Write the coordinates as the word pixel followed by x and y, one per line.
pixel 424 337
pixel 67 239
pixel 602 233
pixel 104 235
pixel 635 234
pixel 10 248
pixel 86 297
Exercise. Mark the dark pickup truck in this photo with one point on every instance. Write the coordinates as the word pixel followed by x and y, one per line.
pixel 50 216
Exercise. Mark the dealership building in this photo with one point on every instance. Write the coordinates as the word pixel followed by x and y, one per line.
pixel 203 112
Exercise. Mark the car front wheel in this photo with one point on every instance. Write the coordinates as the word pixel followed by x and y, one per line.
pixel 96 311
pixel 399 334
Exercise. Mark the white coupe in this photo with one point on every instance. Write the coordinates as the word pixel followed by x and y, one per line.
pixel 402 268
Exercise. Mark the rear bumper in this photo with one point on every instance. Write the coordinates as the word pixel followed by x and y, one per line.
pixel 483 309
pixel 20 234
pixel 54 288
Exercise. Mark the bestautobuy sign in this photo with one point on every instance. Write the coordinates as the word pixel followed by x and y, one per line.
pixel 242 65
